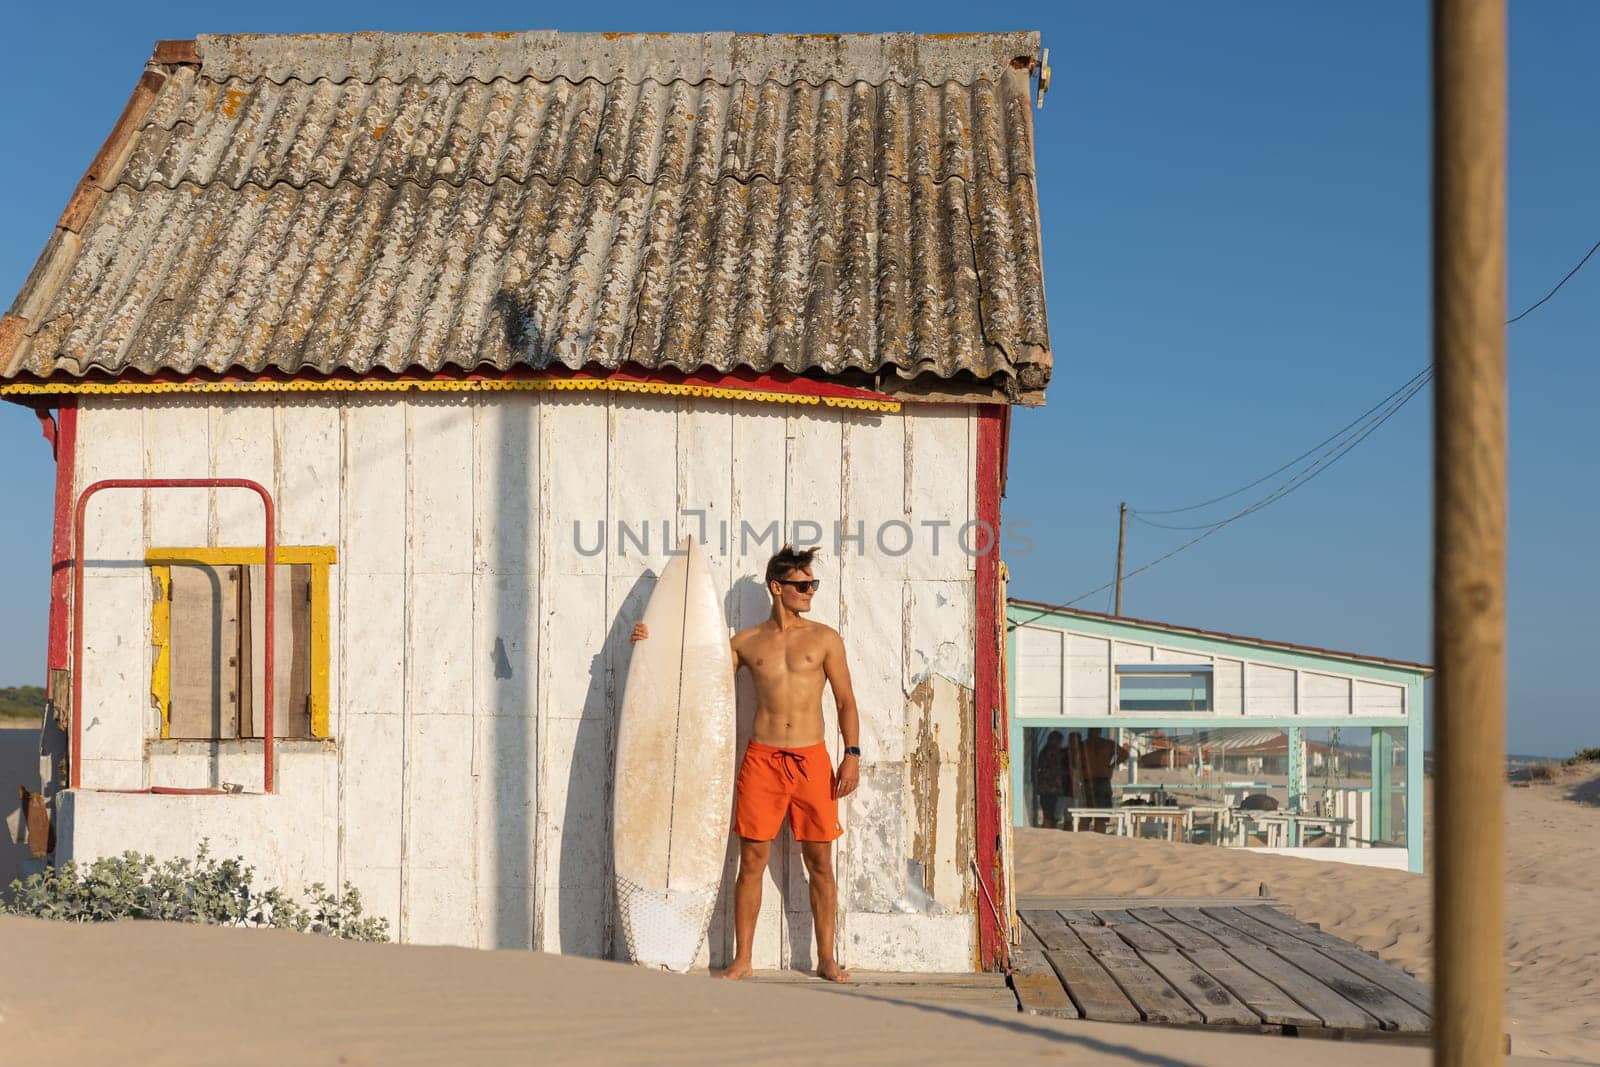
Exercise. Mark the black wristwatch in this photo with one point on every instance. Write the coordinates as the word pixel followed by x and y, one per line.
pixel 853 750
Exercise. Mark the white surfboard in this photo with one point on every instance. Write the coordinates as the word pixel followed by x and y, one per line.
pixel 674 776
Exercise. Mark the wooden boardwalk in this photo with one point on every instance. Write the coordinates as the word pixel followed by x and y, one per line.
pixel 1230 964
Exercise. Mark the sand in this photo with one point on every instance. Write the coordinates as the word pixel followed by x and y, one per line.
pixel 154 993
pixel 1552 903
pixel 145 993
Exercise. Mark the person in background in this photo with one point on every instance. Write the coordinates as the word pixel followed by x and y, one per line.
pixel 1101 755
pixel 1050 779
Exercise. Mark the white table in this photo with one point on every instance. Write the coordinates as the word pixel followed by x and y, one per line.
pixel 1117 817
pixel 1178 821
pixel 1284 828
pixel 1221 816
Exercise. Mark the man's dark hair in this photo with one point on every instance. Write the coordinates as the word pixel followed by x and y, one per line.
pixel 788 560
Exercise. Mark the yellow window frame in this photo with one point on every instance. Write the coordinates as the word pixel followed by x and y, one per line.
pixel 320 558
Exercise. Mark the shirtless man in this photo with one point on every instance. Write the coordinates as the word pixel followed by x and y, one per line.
pixel 786 771
pixel 1102 755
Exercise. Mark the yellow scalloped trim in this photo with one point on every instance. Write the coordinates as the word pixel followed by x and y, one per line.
pixel 610 385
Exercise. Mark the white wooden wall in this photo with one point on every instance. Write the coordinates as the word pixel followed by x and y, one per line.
pixel 478 655
pixel 1062 673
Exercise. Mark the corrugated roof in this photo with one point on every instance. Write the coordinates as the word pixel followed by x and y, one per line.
pixel 401 202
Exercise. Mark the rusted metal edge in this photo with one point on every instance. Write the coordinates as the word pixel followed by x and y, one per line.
pixel 51 268
pixel 13 328
pixel 175 54
pixel 36 818
pixel 113 155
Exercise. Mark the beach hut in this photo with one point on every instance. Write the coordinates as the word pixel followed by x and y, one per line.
pixel 481 325
pixel 1215 738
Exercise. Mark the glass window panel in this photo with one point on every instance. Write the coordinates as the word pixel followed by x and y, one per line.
pixel 1246 786
pixel 1184 690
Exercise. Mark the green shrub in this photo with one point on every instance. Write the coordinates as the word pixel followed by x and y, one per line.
pixel 1584 755
pixel 24 703
pixel 203 890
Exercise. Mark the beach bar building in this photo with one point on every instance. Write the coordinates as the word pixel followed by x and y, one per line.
pixel 1233 741
pixel 382 372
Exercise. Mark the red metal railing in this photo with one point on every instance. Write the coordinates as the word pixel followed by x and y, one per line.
pixel 269 559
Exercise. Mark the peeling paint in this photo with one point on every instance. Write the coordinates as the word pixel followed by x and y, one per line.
pixel 922 758
pixel 464 788
pixel 933 704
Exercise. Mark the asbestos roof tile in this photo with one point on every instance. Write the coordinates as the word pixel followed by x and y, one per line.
pixel 400 202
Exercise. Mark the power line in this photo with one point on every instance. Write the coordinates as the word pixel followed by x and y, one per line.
pixel 1347 441
pixel 1559 284
pixel 1426 371
pixel 1322 463
pixel 1347 437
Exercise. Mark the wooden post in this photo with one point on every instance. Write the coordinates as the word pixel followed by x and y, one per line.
pixel 1469 501
pixel 1122 542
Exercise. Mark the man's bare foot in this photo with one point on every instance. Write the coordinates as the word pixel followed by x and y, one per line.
pixel 830 971
pixel 736 970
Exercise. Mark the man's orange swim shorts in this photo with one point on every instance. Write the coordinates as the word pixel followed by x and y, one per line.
pixel 774 782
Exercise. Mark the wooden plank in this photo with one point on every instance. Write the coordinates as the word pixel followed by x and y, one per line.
pixel 1078 915
pixel 1050 929
pixel 1392 978
pixel 1040 902
pixel 1208 996
pixel 1038 990
pixel 1335 1012
pixel 1092 989
pixel 1266 1000
pixel 1391 1012
pixel 1026 939
pixel 1156 1000
pixel 1096 994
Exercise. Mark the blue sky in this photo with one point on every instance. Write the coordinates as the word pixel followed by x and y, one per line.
pixel 1234 199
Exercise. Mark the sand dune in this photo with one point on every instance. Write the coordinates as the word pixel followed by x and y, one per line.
pixel 1553 910
pixel 154 993
pixel 145 993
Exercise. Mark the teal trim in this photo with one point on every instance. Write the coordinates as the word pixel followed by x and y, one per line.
pixel 1413 721
pixel 1211 646
pixel 1201 720
pixel 1297 773
pixel 1416 738
pixel 1382 783
pixel 1018 755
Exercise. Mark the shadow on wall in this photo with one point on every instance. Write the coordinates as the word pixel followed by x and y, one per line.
pixel 587 918
pixel 19 765
pixel 513 700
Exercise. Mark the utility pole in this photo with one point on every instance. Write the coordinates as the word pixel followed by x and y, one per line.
pixel 1469 527
pixel 1122 542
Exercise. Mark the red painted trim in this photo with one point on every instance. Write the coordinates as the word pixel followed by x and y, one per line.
pixel 776 380
pixel 47 427
pixel 270 546
pixel 1005 450
pixel 66 452
pixel 988 705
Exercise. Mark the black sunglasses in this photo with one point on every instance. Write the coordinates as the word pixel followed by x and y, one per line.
pixel 809 586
